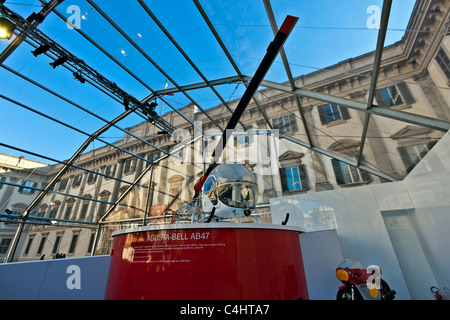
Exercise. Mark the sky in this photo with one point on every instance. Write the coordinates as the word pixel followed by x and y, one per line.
pixel 328 31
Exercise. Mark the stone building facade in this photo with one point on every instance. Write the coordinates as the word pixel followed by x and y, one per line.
pixel 20 179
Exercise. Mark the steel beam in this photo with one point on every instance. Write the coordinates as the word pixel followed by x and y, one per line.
pixel 187 144
pixel 76 105
pixel 376 69
pixel 199 85
pixel 62 171
pixel 287 68
pixel 95 44
pixel 52 191
pixel 337 157
pixel 184 54
pixel 416 119
pixel 61 162
pixel 229 57
pixel 74 128
pixel 38 18
pixel 111 22
pixel 268 59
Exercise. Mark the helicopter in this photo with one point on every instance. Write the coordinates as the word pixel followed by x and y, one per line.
pixel 229 190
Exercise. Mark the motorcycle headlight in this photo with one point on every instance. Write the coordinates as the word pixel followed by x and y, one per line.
pixel 373 291
pixel 342 275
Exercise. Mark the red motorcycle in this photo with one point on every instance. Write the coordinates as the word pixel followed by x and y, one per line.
pixel 362 284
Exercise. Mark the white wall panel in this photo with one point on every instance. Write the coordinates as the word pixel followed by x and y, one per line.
pixel 360 216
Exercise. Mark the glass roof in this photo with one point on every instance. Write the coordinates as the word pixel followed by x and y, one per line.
pixel 145 47
pixel 327 32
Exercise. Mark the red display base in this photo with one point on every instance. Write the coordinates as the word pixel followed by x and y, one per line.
pixel 207 262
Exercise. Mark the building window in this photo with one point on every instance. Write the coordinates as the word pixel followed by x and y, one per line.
pixel 346 173
pixel 63 184
pixel 30 241
pixel 129 166
pixel 73 243
pixel 102 208
pixel 84 210
pixel 110 170
pixel 26 184
pixel 91 243
pixel 92 177
pixel 53 212
pixel 285 124
pixel 41 245
pixel 294 178
pixel 42 209
pixel 444 62
pixel 77 180
pixel 55 246
pixel 397 95
pixel 391 96
pixel 332 112
pixel 411 155
pixel 152 156
pixel 68 212
pixel 4 245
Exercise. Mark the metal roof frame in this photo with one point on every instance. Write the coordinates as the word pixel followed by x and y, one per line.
pixel 369 108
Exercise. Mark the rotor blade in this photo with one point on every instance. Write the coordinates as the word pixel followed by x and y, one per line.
pixel 272 51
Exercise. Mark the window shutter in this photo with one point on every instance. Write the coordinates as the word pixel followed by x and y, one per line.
pixel 431 145
pixel 337 171
pixel 322 114
pixel 34 186
pixel 379 98
pixel 409 165
pixel 406 93
pixel 284 179
pixel 365 176
pixel 276 123
pixel 303 177
pixel 293 122
pixel 345 113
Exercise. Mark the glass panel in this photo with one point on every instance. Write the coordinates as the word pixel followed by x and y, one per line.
pixel 330 52
pixel 414 70
pixel 402 144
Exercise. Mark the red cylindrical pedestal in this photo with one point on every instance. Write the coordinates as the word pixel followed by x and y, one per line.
pixel 208 262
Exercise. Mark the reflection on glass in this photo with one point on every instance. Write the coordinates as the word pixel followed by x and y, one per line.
pixel 346 173
pixel 391 97
pixel 443 62
pixel 210 189
pixel 238 195
pixel 233 184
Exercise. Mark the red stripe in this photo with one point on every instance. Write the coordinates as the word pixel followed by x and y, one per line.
pixel 288 24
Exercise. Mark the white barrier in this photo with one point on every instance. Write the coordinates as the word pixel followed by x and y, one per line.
pixel 59 279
